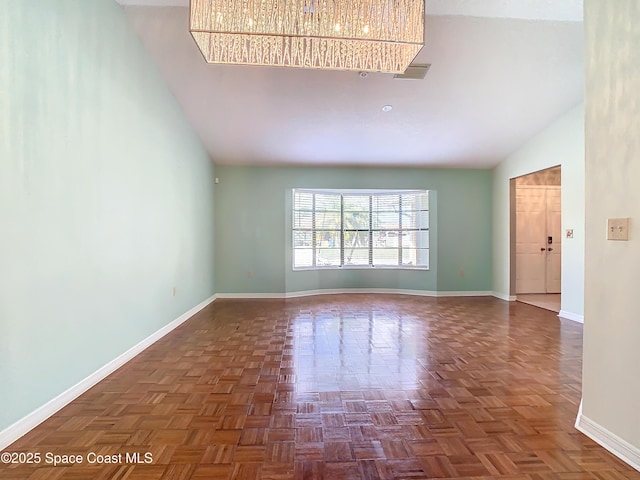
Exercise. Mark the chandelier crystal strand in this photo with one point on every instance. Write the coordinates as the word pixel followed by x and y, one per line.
pixel 368 35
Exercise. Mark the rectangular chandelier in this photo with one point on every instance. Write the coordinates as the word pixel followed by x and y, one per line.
pixel 362 35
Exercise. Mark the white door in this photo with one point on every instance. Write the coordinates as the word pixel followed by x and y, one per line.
pixel 531 218
pixel 538 221
pixel 554 249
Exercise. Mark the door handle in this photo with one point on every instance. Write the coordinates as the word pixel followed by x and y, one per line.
pixel 542 249
pixel 550 249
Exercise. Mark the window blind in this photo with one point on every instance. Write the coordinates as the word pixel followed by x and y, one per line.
pixel 355 228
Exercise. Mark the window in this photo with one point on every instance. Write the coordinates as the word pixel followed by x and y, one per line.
pixel 357 228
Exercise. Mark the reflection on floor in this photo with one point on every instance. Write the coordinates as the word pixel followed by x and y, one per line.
pixel 337 387
pixel 549 301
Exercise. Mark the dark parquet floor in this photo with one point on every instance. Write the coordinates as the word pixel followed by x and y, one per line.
pixel 337 387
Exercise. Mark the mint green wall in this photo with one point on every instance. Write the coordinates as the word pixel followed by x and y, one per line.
pixel 106 198
pixel 253 242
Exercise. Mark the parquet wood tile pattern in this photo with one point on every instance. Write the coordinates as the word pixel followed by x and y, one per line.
pixel 338 387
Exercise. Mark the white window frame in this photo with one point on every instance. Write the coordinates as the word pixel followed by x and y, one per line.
pixel 419 228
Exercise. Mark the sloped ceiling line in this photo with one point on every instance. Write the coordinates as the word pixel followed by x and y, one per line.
pixel 493 84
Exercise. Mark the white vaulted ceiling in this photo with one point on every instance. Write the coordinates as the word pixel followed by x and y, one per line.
pixel 501 72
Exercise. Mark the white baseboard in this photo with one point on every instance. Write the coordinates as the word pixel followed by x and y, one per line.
pixel 32 420
pixel 504 296
pixel 603 437
pixel 477 293
pixel 250 296
pixel 338 291
pixel 571 316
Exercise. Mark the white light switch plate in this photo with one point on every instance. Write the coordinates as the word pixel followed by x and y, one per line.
pixel 618 229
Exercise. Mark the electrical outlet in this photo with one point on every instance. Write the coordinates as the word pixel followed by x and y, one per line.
pixel 618 229
pixel 174 292
pixel 569 232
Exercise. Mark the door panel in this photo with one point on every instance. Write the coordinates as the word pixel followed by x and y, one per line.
pixel 531 218
pixel 538 216
pixel 554 229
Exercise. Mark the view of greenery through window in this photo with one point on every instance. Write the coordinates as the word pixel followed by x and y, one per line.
pixel 360 228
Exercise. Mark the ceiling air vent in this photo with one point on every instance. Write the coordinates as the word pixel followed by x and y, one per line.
pixel 414 72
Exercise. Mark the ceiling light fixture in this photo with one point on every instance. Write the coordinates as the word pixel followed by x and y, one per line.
pixel 387 108
pixel 368 35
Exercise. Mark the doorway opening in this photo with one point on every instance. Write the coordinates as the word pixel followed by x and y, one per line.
pixel 536 238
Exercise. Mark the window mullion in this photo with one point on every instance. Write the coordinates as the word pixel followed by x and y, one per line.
pixel 314 234
pixel 400 232
pixel 341 230
pixel 371 230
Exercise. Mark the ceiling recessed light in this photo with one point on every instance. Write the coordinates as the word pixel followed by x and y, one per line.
pixel 387 108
